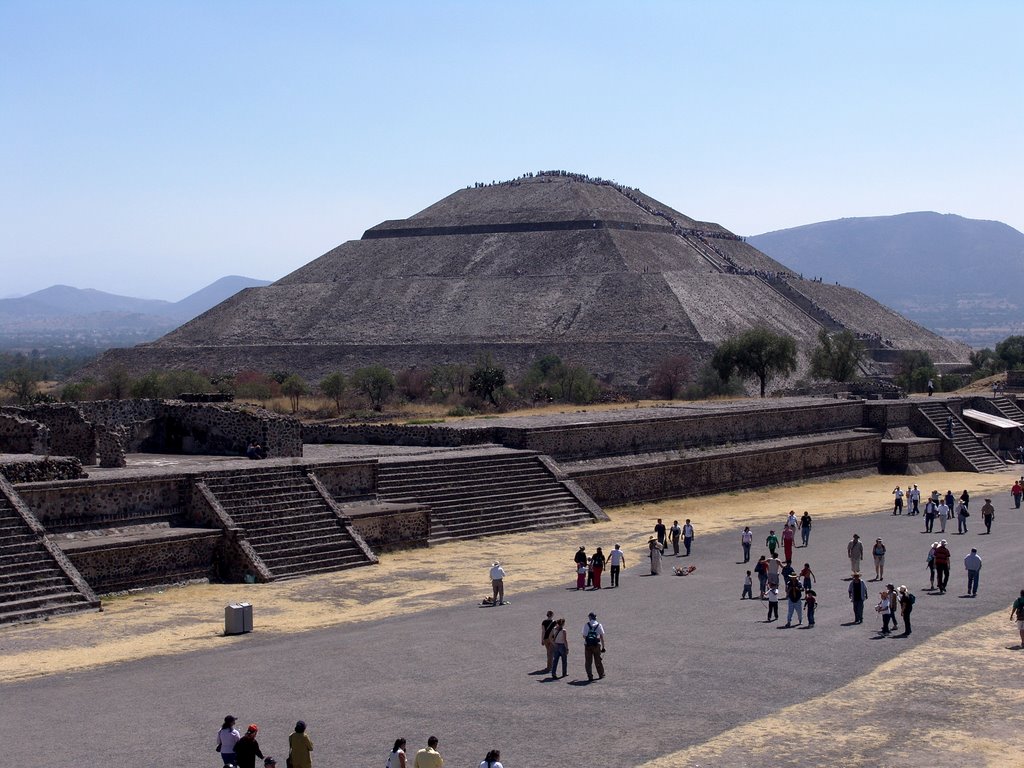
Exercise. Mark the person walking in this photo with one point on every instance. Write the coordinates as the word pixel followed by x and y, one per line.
pixel 772 542
pixel 492 760
pixel 300 747
pixel 597 566
pixel 931 565
pixel 593 646
pixel 497 584
pixel 897 507
pixel 965 497
pixel 748 588
pixel 942 556
pixel 894 606
pixel 247 749
pixel 810 602
pixel 794 596
pixel 761 569
pixel 547 636
pixel 397 757
pixel 1017 491
pixel 907 601
pixel 858 595
pixel 788 537
pixel 878 553
pixel 560 646
pixel 914 494
pixel 950 502
pixel 429 757
pixel 659 532
pixel 746 539
pixel 227 737
pixel 687 536
pixel 1017 614
pixel 656 549
pixel 616 560
pixel 961 518
pixel 931 509
pixel 972 564
pixel 988 513
pixel 774 571
pixel 807 576
pixel 675 532
pixel 855 551
pixel 943 513
pixel 805 529
pixel 773 603
pixel 884 607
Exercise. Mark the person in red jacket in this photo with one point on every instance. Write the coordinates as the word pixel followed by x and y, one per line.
pixel 942 556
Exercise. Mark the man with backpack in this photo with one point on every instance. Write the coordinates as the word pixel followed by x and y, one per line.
pixel 593 647
pixel 795 593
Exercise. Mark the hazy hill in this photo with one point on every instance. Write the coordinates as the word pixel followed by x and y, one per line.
pixel 71 318
pixel 963 278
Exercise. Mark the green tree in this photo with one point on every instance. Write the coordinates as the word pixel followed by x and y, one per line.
pixel 333 386
pixel 486 379
pixel 21 383
pixel 294 386
pixel 117 383
pixel 914 369
pixel 376 382
pixel 758 352
pixel 1011 351
pixel 837 356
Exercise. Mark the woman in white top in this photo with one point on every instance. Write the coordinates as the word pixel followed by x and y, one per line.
pixel 227 737
pixel 491 761
pixel 397 758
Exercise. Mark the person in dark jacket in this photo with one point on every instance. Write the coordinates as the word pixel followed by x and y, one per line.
pixel 247 749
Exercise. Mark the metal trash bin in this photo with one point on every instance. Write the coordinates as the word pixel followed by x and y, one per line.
pixel 237 618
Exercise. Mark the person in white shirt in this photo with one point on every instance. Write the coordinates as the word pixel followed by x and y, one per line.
pixel 944 513
pixel 687 536
pixel 746 539
pixel 492 760
pixel 616 559
pixel 498 584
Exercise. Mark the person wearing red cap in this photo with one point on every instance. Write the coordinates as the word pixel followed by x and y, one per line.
pixel 247 749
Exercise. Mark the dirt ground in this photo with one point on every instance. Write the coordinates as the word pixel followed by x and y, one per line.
pixel 190 618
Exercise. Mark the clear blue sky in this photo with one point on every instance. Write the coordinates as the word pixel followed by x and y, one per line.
pixel 149 148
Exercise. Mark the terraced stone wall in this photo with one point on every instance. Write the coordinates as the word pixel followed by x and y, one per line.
pixel 396 434
pixel 70 433
pixel 349 479
pixel 78 506
pixel 34 470
pixel 389 528
pixel 729 469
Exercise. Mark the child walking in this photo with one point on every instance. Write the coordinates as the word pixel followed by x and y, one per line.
pixel 773 603
pixel 810 602
pixel 748 588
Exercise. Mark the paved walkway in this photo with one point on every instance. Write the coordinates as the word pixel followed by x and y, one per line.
pixel 687 660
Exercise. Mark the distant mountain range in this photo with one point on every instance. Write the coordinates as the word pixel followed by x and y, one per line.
pixel 62 317
pixel 962 278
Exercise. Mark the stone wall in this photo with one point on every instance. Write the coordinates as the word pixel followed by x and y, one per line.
pixel 19 434
pixel 389 527
pixel 886 415
pixel 345 480
pixel 175 558
pixel 70 433
pixel 715 428
pixel 898 455
pixel 395 434
pixel 29 469
pixel 63 506
pixel 728 469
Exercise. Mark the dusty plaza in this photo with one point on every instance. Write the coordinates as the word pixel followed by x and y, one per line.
pixel 695 676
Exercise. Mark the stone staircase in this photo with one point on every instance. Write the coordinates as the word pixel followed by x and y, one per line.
pixel 1008 409
pixel 977 453
pixel 287 521
pixel 484 494
pixel 33 585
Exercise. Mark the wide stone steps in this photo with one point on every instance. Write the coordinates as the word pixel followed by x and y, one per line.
pixel 483 495
pixel 1008 408
pixel 964 440
pixel 287 522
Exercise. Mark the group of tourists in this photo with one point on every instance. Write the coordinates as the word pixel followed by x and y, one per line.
pixel 555 640
pixel 589 569
pixel 241 750
pixel 429 757
pixel 945 507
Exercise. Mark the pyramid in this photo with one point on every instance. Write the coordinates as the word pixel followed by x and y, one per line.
pixel 595 272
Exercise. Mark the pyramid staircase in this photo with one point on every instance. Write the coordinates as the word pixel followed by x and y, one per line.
pixel 1008 409
pixel 34 584
pixel 485 494
pixel 976 452
pixel 288 521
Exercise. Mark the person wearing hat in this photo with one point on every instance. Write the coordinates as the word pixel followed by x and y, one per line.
pixel 942 555
pixel 593 646
pixel 227 737
pixel 248 749
pixel 656 548
pixel 855 551
pixel 858 594
pixel 987 513
pixel 907 601
pixel 878 553
pixel 498 584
